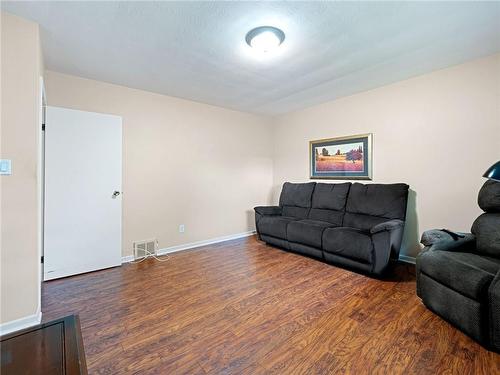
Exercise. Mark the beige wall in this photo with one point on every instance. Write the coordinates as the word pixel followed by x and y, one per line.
pixel 206 167
pixel 443 127
pixel 183 162
pixel 21 68
pixel 437 132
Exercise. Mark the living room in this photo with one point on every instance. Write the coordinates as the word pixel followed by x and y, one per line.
pixel 251 187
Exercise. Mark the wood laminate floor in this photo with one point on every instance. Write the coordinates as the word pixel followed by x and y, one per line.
pixel 242 307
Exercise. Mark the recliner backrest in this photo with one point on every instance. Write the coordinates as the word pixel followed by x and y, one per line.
pixel 295 199
pixel 329 202
pixel 486 227
pixel 372 204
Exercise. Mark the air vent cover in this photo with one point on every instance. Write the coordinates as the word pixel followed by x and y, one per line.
pixel 144 248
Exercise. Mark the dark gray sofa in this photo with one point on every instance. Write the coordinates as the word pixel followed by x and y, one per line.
pixel 459 277
pixel 359 226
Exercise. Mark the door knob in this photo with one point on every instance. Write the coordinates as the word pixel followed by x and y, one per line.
pixel 115 194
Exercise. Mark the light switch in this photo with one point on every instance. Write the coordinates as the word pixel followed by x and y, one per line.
pixel 5 167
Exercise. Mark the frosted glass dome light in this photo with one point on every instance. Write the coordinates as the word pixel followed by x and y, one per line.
pixel 265 38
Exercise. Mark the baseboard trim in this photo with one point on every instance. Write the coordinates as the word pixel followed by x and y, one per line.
pixel 192 245
pixel 18 324
pixel 128 258
pixel 407 259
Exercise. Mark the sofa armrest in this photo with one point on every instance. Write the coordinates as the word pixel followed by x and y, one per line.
pixel 386 239
pixel 268 210
pixel 494 310
pixel 436 239
pixel 262 211
pixel 387 225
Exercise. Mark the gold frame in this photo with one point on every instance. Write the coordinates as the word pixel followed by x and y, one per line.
pixel 369 137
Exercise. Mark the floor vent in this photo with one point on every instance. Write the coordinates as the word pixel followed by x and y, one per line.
pixel 144 248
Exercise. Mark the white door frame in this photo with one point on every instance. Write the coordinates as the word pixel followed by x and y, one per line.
pixel 40 189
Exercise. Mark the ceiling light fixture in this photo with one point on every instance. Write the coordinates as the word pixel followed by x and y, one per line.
pixel 265 38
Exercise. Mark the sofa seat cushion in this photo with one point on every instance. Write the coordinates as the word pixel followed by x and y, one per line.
pixel 275 225
pixel 307 232
pixel 348 242
pixel 466 273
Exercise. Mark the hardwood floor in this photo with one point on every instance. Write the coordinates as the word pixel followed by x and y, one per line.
pixel 242 307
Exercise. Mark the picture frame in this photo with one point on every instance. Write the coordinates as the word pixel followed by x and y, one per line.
pixel 341 158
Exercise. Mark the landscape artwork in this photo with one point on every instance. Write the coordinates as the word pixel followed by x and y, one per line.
pixel 341 158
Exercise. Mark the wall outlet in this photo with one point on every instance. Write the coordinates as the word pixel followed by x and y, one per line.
pixel 181 228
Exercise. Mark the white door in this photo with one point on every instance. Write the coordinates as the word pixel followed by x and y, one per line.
pixel 83 178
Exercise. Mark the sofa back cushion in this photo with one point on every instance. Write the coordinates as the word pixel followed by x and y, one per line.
pixel 328 202
pixel 487 232
pixel 295 199
pixel 486 227
pixel 489 196
pixel 371 204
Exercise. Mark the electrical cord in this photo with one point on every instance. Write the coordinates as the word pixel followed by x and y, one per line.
pixel 151 255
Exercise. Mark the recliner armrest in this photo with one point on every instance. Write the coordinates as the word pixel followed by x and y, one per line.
pixel 439 240
pixel 387 225
pixel 268 210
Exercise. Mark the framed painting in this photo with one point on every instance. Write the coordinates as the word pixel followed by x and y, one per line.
pixel 343 158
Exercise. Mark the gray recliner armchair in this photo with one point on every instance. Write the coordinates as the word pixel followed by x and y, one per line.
pixel 458 274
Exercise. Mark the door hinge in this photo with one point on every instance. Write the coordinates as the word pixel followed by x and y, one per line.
pixel 41 259
pixel 43 127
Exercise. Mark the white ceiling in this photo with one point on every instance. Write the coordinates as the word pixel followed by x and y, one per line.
pixel 196 50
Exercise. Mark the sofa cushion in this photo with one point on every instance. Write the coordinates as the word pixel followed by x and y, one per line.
pixel 295 199
pixel 348 242
pixel 489 196
pixel 335 218
pixel 307 232
pixel 330 196
pixel 274 225
pixel 328 202
pixel 298 195
pixel 306 250
pixel 486 228
pixel 466 273
pixel 296 212
pixel 363 222
pixel 372 204
pixel 383 200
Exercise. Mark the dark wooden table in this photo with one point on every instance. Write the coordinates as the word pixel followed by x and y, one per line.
pixel 54 347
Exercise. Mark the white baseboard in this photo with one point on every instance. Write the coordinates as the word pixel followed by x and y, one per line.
pixel 407 259
pixel 192 245
pixel 18 324
pixel 128 258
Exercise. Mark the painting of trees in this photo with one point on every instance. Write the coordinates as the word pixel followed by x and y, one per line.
pixel 341 158
pixel 354 155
